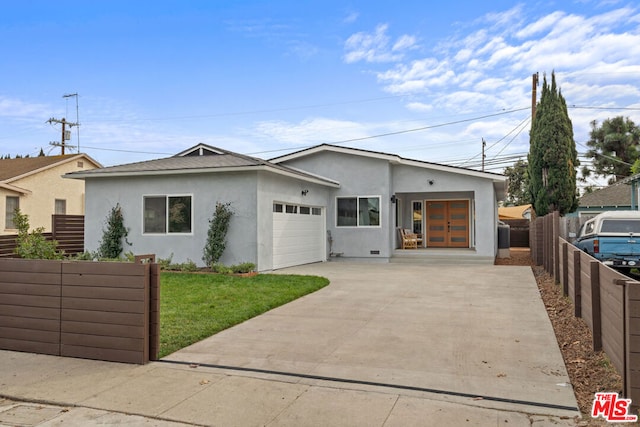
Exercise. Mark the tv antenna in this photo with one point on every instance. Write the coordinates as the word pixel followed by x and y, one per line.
pixel 77 123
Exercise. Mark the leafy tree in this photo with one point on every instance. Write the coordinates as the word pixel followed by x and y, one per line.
pixel 613 146
pixel 518 189
pixel 217 234
pixel 111 245
pixel 33 245
pixel 41 154
pixel 552 155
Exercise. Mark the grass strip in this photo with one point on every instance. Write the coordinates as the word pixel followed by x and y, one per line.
pixel 196 306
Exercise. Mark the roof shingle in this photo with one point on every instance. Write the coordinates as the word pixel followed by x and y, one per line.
pixel 11 168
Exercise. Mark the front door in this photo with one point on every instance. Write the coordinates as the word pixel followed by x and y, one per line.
pixel 447 224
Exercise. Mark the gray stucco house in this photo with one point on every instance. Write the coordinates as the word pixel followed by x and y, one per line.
pixel 325 202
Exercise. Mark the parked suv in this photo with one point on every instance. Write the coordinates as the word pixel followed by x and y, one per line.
pixel 613 238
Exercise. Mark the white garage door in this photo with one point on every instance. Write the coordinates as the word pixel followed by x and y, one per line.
pixel 298 235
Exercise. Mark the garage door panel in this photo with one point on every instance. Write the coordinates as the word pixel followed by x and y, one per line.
pixel 297 239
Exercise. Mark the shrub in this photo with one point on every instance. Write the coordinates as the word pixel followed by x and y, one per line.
pixel 111 244
pixel 221 268
pixel 164 263
pixel 217 233
pixel 33 245
pixel 245 267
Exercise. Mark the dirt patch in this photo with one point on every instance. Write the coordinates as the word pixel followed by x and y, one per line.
pixel 589 371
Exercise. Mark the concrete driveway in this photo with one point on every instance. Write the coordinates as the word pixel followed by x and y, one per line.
pixel 466 337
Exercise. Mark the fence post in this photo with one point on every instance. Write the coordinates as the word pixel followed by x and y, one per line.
pixel 556 248
pixel 154 303
pixel 565 264
pixel 577 285
pixel 594 272
pixel 154 313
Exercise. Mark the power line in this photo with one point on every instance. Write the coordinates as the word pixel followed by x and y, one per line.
pixel 381 135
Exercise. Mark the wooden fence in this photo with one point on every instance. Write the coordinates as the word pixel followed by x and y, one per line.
pixel 607 300
pixel 67 230
pixel 93 310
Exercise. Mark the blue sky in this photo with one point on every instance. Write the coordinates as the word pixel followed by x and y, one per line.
pixel 422 80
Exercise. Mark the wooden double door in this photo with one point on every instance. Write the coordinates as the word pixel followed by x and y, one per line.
pixel 447 223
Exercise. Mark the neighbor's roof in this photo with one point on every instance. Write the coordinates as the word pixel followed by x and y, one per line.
pixel 190 161
pixel 392 158
pixel 513 212
pixel 618 195
pixel 13 169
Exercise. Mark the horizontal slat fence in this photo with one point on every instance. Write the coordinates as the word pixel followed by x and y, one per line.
pixel 67 230
pixel 92 310
pixel 606 299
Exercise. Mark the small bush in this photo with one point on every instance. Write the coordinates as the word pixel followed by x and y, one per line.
pixel 84 256
pixel 33 245
pixel 167 265
pixel 221 268
pixel 245 267
pixel 164 263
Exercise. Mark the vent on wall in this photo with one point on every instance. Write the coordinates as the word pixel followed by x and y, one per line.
pixel 374 252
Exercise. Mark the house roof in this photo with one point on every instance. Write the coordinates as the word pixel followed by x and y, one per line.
pixel 499 180
pixel 199 159
pixel 393 158
pixel 13 169
pixel 616 195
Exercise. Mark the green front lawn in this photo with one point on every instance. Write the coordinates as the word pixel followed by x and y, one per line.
pixel 196 306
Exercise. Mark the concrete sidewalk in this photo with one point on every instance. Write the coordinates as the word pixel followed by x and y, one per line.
pixel 383 345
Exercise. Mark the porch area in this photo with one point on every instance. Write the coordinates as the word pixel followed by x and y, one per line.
pixel 438 256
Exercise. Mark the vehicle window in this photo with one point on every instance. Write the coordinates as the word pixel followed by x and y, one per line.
pixel 621 226
pixel 588 227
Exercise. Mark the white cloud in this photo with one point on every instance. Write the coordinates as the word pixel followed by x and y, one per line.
pixel 351 18
pixel 310 131
pixel 16 108
pixel 376 46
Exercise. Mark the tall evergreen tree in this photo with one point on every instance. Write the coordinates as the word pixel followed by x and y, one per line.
pixel 613 146
pixel 552 154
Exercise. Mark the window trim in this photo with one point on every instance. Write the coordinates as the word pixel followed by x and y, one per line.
pixel 6 215
pixel 379 197
pixel 55 206
pixel 167 232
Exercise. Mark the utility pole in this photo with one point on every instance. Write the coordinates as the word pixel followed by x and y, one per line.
pixel 484 144
pixel 66 135
pixel 534 96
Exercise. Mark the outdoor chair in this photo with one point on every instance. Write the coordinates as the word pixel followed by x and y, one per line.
pixel 409 240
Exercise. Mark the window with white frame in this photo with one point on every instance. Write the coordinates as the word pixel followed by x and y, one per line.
pixel 167 214
pixel 12 203
pixel 358 211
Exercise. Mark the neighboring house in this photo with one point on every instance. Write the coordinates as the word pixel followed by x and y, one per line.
pixel 616 197
pixel 35 185
pixel 297 208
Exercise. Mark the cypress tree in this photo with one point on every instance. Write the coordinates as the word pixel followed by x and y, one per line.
pixel 552 154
